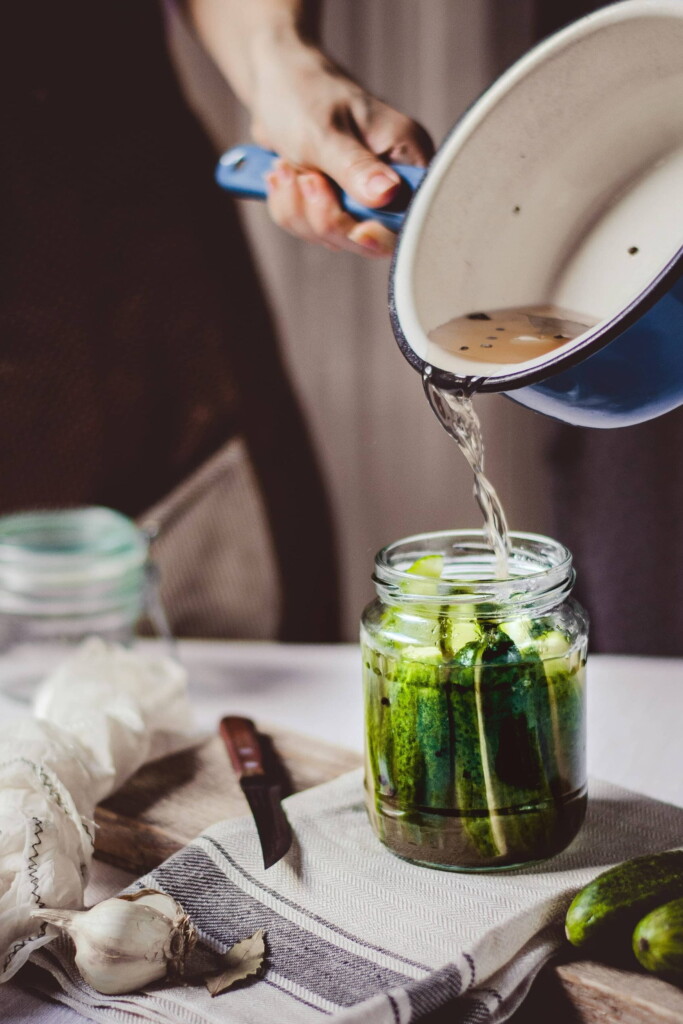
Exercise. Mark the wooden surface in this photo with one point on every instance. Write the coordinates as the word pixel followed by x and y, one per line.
pixel 169 802
pixel 600 993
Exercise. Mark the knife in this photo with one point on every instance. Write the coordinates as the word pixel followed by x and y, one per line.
pixel 261 784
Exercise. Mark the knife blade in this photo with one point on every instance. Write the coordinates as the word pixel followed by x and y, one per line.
pixel 261 784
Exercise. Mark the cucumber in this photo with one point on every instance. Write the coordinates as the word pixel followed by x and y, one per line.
pixel 433 728
pixel 560 696
pixel 471 797
pixel 500 765
pixel 407 769
pixel 608 908
pixel 658 941
pixel 470 742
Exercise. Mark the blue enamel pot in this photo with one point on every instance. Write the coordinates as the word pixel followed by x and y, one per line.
pixel 561 186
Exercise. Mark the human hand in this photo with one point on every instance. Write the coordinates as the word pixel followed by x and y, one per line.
pixel 326 126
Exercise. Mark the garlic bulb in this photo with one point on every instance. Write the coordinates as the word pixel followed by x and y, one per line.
pixel 127 942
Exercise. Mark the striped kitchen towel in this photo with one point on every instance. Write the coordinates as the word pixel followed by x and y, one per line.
pixel 357 935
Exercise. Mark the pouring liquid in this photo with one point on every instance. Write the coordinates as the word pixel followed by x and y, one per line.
pixel 455 413
pixel 503 336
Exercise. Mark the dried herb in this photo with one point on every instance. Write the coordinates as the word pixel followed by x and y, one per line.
pixel 242 960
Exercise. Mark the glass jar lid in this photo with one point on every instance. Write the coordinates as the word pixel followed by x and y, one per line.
pixel 70 560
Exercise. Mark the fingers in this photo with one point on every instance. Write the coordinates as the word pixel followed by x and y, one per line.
pixel 357 170
pixel 336 227
pixel 305 204
pixel 398 138
pixel 286 202
pixel 351 153
pixel 373 236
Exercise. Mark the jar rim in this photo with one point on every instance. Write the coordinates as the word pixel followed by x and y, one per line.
pixel 542 572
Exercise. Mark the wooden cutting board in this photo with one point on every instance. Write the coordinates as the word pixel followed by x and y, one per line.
pixel 169 802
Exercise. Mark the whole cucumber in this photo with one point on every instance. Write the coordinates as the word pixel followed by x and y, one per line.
pixel 658 940
pixel 608 908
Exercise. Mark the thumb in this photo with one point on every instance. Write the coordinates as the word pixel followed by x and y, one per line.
pixel 358 171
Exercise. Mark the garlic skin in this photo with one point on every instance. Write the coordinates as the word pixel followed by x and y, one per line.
pixel 127 942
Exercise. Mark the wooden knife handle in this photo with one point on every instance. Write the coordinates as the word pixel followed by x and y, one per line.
pixel 242 743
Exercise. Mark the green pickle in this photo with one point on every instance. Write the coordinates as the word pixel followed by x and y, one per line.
pixel 475 740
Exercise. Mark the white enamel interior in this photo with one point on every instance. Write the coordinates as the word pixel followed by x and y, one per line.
pixel 584 136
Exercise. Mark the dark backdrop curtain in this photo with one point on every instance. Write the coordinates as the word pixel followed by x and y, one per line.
pixel 551 15
pixel 134 336
pixel 618 496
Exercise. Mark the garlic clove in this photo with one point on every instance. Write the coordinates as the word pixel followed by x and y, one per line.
pixel 123 944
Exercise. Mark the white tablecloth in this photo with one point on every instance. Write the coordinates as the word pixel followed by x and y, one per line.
pixel 634 710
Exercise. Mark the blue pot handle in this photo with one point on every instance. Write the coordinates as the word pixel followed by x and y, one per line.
pixel 242 171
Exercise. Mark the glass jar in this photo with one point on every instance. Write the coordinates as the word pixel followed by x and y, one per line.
pixel 66 575
pixel 474 702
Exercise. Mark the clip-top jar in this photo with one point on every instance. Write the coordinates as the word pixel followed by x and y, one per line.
pixel 65 575
pixel 474 701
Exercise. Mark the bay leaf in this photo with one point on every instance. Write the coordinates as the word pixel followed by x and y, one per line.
pixel 241 961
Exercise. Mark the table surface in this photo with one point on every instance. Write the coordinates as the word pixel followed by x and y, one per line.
pixel 635 706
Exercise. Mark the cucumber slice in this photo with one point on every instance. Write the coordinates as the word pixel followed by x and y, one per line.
pixel 519 631
pixel 546 644
pixel 427 655
pixel 552 644
pixel 430 565
pixel 429 568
